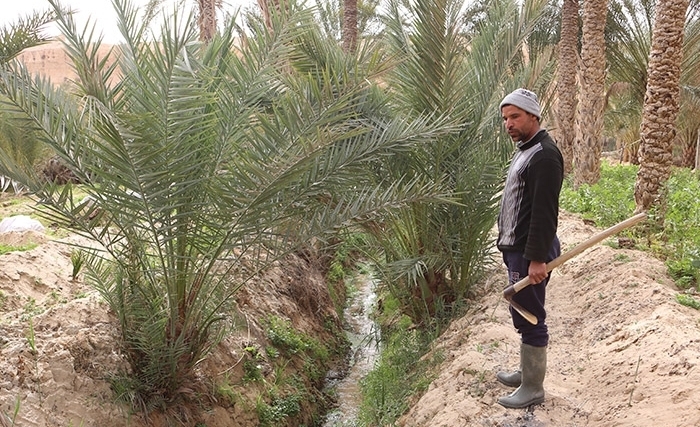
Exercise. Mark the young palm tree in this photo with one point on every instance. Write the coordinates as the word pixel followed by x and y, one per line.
pixel 200 155
pixel 435 252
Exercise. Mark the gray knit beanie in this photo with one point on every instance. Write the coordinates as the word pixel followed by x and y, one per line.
pixel 523 99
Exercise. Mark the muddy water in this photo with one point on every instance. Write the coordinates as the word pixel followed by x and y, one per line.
pixel 363 334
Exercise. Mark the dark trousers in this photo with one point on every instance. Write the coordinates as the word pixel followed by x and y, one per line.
pixel 531 298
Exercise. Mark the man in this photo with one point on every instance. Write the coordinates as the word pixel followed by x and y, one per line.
pixel 527 226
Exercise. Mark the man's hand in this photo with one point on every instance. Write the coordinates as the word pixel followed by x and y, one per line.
pixel 537 271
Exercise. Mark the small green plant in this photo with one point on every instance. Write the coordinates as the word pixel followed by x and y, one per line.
pixel 280 408
pixel 272 352
pixel 336 273
pixel 622 258
pixel 252 369
pixel 227 392
pixel 286 338
pixel 30 309
pixel 13 419
pixel 688 301
pixel 685 272
pixel 77 259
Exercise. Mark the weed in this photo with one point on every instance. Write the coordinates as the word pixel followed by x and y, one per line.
pixel 12 421
pixel 4 249
pixel 272 352
pixel 286 338
pixel 685 271
pixel 622 257
pixel 252 369
pixel 227 392
pixel 399 374
pixel 31 309
pixel 478 388
pixel 280 408
pixel 688 301
pixel 77 259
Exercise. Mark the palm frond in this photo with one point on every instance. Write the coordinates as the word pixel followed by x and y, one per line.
pixel 22 34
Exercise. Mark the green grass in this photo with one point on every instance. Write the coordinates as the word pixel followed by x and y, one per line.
pixel 676 241
pixel 400 373
pixel 285 338
pixel 4 249
pixel 688 301
pixel 607 202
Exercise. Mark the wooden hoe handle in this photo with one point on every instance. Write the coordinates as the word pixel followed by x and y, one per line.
pixel 511 290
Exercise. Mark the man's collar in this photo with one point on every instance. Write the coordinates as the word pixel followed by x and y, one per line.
pixel 530 142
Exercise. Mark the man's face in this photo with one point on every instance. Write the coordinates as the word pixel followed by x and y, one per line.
pixel 520 125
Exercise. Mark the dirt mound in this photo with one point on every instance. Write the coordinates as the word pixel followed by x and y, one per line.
pixel 622 351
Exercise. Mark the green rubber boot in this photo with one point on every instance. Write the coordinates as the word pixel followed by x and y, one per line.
pixel 533 363
pixel 514 378
pixel 511 379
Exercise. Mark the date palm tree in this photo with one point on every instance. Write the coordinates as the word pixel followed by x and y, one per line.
pixel 16 137
pixel 26 32
pixel 567 92
pixel 591 102
pixel 661 103
pixel 331 18
pixel 201 155
pixel 435 252
pixel 349 25
pixel 629 42
pixel 207 18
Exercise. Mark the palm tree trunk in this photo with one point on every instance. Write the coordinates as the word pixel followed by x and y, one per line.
pixel 566 82
pixel 207 19
pixel 661 102
pixel 589 120
pixel 349 25
pixel 266 6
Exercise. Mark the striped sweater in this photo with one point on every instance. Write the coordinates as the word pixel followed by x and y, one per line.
pixel 529 213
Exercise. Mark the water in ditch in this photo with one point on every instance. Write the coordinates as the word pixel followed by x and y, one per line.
pixel 363 334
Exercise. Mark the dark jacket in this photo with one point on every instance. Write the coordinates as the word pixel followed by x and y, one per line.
pixel 529 213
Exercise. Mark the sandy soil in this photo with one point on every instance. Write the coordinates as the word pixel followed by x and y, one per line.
pixel 623 352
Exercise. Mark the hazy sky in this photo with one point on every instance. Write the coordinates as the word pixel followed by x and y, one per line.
pixel 100 12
